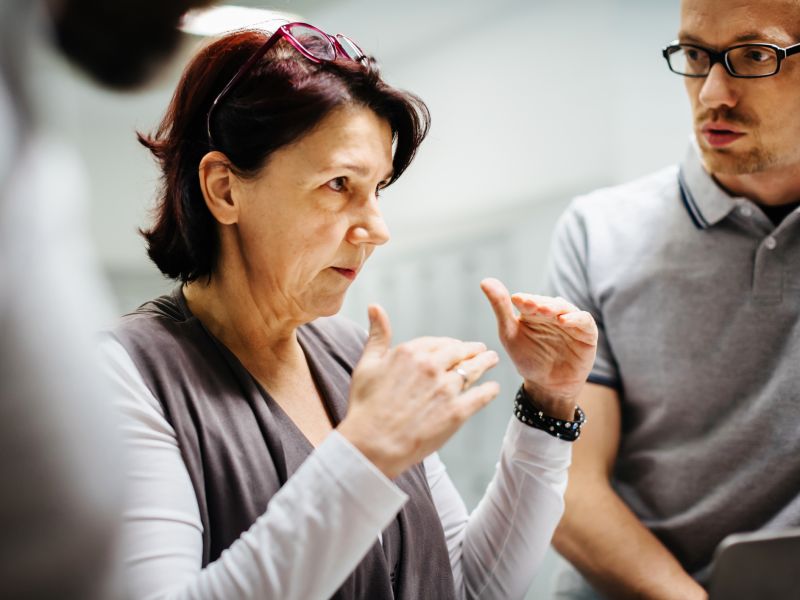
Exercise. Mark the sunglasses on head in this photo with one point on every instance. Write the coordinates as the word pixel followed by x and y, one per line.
pixel 313 43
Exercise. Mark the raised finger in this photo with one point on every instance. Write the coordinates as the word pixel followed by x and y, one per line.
pixel 547 307
pixel 430 343
pixel 498 297
pixel 449 355
pixel 476 366
pixel 471 370
pixel 474 399
pixel 580 326
pixel 380 332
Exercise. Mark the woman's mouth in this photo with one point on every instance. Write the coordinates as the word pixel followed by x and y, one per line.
pixel 348 273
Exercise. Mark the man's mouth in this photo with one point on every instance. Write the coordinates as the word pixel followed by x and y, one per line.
pixel 719 135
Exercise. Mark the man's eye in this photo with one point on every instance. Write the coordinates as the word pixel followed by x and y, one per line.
pixel 692 54
pixel 758 56
pixel 337 184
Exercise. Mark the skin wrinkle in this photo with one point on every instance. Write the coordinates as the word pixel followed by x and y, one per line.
pixel 286 225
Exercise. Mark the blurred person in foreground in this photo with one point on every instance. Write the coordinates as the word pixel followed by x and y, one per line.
pixel 277 451
pixel 693 275
pixel 60 495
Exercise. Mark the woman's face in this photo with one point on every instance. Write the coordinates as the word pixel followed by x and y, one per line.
pixel 310 219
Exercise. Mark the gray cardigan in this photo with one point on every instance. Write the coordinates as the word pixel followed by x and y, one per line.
pixel 240 447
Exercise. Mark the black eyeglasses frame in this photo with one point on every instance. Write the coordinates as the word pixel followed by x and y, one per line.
pixel 721 57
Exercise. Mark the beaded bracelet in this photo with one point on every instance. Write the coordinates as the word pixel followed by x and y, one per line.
pixel 527 412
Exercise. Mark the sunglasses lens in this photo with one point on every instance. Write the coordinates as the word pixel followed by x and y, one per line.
pixel 350 47
pixel 313 41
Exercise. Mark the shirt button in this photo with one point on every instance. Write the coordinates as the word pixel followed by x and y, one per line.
pixel 746 211
pixel 770 243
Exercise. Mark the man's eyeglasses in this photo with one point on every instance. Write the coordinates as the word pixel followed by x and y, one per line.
pixel 745 60
pixel 316 45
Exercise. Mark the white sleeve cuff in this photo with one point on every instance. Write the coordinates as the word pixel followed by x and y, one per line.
pixel 536 446
pixel 377 495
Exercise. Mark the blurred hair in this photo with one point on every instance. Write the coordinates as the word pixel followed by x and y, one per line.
pixel 280 99
pixel 120 42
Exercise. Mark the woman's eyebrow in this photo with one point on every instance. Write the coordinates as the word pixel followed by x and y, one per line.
pixel 358 169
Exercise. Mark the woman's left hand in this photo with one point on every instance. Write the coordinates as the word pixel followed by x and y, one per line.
pixel 551 342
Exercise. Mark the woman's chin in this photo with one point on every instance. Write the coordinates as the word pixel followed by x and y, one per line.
pixel 330 307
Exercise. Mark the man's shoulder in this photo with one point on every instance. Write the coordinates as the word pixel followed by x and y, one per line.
pixel 626 219
pixel 646 195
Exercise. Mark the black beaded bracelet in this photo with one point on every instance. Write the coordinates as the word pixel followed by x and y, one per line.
pixel 526 411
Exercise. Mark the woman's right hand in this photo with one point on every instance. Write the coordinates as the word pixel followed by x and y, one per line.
pixel 406 401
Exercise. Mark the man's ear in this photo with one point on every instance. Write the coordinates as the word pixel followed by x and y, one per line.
pixel 216 183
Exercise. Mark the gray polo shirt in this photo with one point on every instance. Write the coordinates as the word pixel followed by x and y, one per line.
pixel 697 296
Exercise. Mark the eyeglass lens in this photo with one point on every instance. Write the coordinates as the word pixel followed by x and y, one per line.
pixel 314 42
pixel 747 61
pixel 350 47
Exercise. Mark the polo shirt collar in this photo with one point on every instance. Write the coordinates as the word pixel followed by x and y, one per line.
pixel 706 202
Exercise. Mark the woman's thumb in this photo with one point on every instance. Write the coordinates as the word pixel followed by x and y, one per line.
pixel 380 331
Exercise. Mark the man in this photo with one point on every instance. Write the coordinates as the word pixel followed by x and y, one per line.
pixel 693 275
pixel 59 500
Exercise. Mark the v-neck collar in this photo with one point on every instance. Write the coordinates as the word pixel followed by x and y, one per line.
pixel 331 379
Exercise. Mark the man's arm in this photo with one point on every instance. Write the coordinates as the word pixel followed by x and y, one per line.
pixel 598 533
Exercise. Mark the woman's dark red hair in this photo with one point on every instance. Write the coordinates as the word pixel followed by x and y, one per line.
pixel 277 102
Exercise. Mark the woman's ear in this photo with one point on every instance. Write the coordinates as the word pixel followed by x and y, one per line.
pixel 216 183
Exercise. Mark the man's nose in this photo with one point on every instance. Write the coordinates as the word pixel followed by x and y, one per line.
pixel 718 89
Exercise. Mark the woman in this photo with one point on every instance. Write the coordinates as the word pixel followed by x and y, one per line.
pixel 274 453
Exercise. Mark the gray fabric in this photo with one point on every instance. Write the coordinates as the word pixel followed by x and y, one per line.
pixel 697 296
pixel 240 447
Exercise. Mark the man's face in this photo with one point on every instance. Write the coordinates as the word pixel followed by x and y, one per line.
pixel 745 126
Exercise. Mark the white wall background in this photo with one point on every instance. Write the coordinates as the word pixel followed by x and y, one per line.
pixel 532 102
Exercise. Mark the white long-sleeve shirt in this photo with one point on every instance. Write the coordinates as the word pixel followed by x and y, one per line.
pixel 321 523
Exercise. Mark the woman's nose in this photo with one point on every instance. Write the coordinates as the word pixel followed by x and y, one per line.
pixel 371 228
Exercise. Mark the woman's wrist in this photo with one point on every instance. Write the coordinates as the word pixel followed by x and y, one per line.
pixel 365 443
pixel 559 406
pixel 527 411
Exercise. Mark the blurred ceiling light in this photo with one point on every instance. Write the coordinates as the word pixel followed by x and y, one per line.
pixel 217 20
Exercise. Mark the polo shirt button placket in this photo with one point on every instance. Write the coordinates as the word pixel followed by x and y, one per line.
pixel 768 274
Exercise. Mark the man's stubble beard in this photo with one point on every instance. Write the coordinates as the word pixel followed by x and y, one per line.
pixel 730 161
pixel 727 161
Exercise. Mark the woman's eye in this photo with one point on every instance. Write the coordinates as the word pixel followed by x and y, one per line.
pixel 381 186
pixel 337 184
